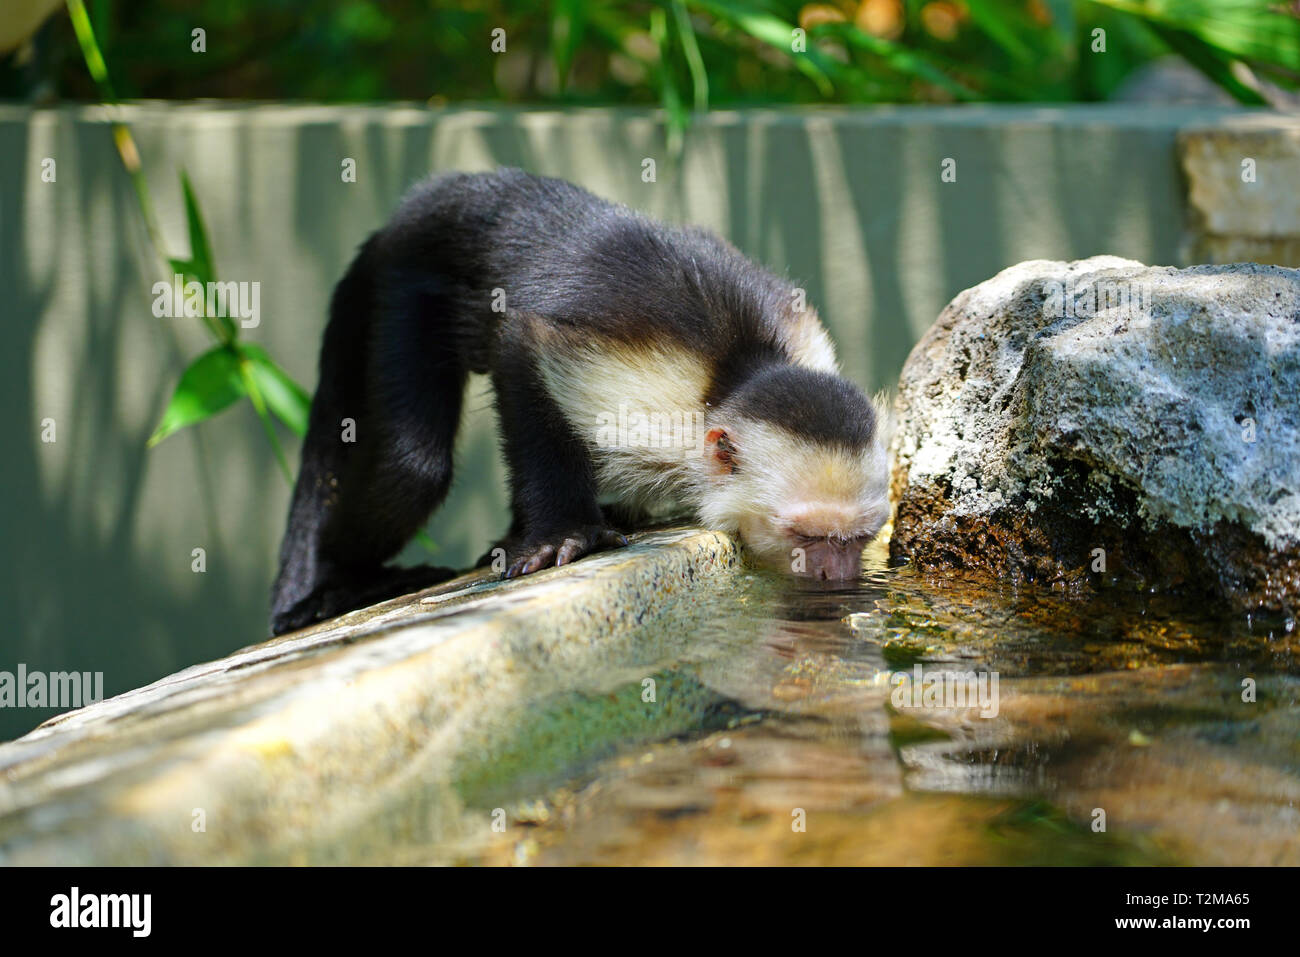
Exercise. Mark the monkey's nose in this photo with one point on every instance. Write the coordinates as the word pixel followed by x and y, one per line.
pixel 829 561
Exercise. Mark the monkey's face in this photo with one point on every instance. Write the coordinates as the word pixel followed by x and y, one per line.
pixel 801 507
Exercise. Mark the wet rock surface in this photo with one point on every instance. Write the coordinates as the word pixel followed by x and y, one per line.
pixel 1100 422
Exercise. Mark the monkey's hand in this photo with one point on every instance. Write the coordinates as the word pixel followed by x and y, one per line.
pixel 538 551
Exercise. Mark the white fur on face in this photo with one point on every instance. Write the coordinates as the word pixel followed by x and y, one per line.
pixel 786 487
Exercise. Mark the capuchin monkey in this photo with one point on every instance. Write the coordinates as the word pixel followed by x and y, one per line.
pixel 635 365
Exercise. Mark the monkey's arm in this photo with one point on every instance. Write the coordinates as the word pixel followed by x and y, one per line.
pixel 557 518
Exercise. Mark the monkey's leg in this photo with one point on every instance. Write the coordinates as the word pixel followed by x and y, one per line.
pixel 552 483
pixel 363 515
pixel 378 454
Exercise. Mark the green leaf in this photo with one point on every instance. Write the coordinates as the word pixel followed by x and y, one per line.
pixel 254 392
pixel 677 119
pixel 222 327
pixel 200 260
pixel 898 58
pixel 999 22
pixel 1246 29
pixel 90 51
pixel 568 22
pixel 285 398
pixel 210 384
pixel 694 61
pixel 778 34
pixel 1217 66
pixel 200 267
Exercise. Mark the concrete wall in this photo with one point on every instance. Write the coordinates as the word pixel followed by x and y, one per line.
pixel 96 572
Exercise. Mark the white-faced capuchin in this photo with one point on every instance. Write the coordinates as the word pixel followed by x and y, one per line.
pixel 636 366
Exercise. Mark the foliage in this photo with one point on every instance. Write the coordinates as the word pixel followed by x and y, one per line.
pixel 683 54
pixel 233 369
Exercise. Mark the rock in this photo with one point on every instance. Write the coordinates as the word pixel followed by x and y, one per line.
pixel 1151 439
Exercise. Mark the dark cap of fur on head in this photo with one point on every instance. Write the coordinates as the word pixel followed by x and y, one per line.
pixel 816 405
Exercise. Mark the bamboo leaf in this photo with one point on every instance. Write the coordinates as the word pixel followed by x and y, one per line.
pixel 996 21
pixel 200 252
pixel 777 33
pixel 254 393
pixel 222 327
pixel 674 110
pixel 699 76
pixel 568 23
pixel 287 400
pixel 201 267
pixel 1215 65
pixel 898 58
pixel 1248 29
pixel 210 384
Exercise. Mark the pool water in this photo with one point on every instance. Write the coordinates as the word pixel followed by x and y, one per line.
pixel 912 719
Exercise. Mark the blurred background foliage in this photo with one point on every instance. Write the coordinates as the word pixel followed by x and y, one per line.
pixel 683 54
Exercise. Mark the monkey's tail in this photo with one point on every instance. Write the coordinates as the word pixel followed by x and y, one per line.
pixel 377 458
pixel 340 396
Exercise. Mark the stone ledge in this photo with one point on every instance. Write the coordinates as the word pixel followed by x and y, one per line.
pixel 1240 215
pixel 338 743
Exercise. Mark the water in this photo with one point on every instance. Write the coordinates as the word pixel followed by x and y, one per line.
pixel 1127 729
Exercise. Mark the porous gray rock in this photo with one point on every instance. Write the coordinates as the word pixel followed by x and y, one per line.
pixel 1104 421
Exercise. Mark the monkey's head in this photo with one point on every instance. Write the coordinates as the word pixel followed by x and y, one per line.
pixel 794 460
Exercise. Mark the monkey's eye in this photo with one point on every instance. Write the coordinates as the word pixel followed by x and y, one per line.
pixel 839 541
pixel 804 539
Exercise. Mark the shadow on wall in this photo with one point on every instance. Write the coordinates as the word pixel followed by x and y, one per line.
pixel 97 575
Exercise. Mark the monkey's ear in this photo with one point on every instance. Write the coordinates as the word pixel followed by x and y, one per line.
pixel 719 453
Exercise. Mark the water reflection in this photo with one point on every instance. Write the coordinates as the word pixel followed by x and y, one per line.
pixel 1127 729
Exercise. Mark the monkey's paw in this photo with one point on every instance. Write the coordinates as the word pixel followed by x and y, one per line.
pixel 536 552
